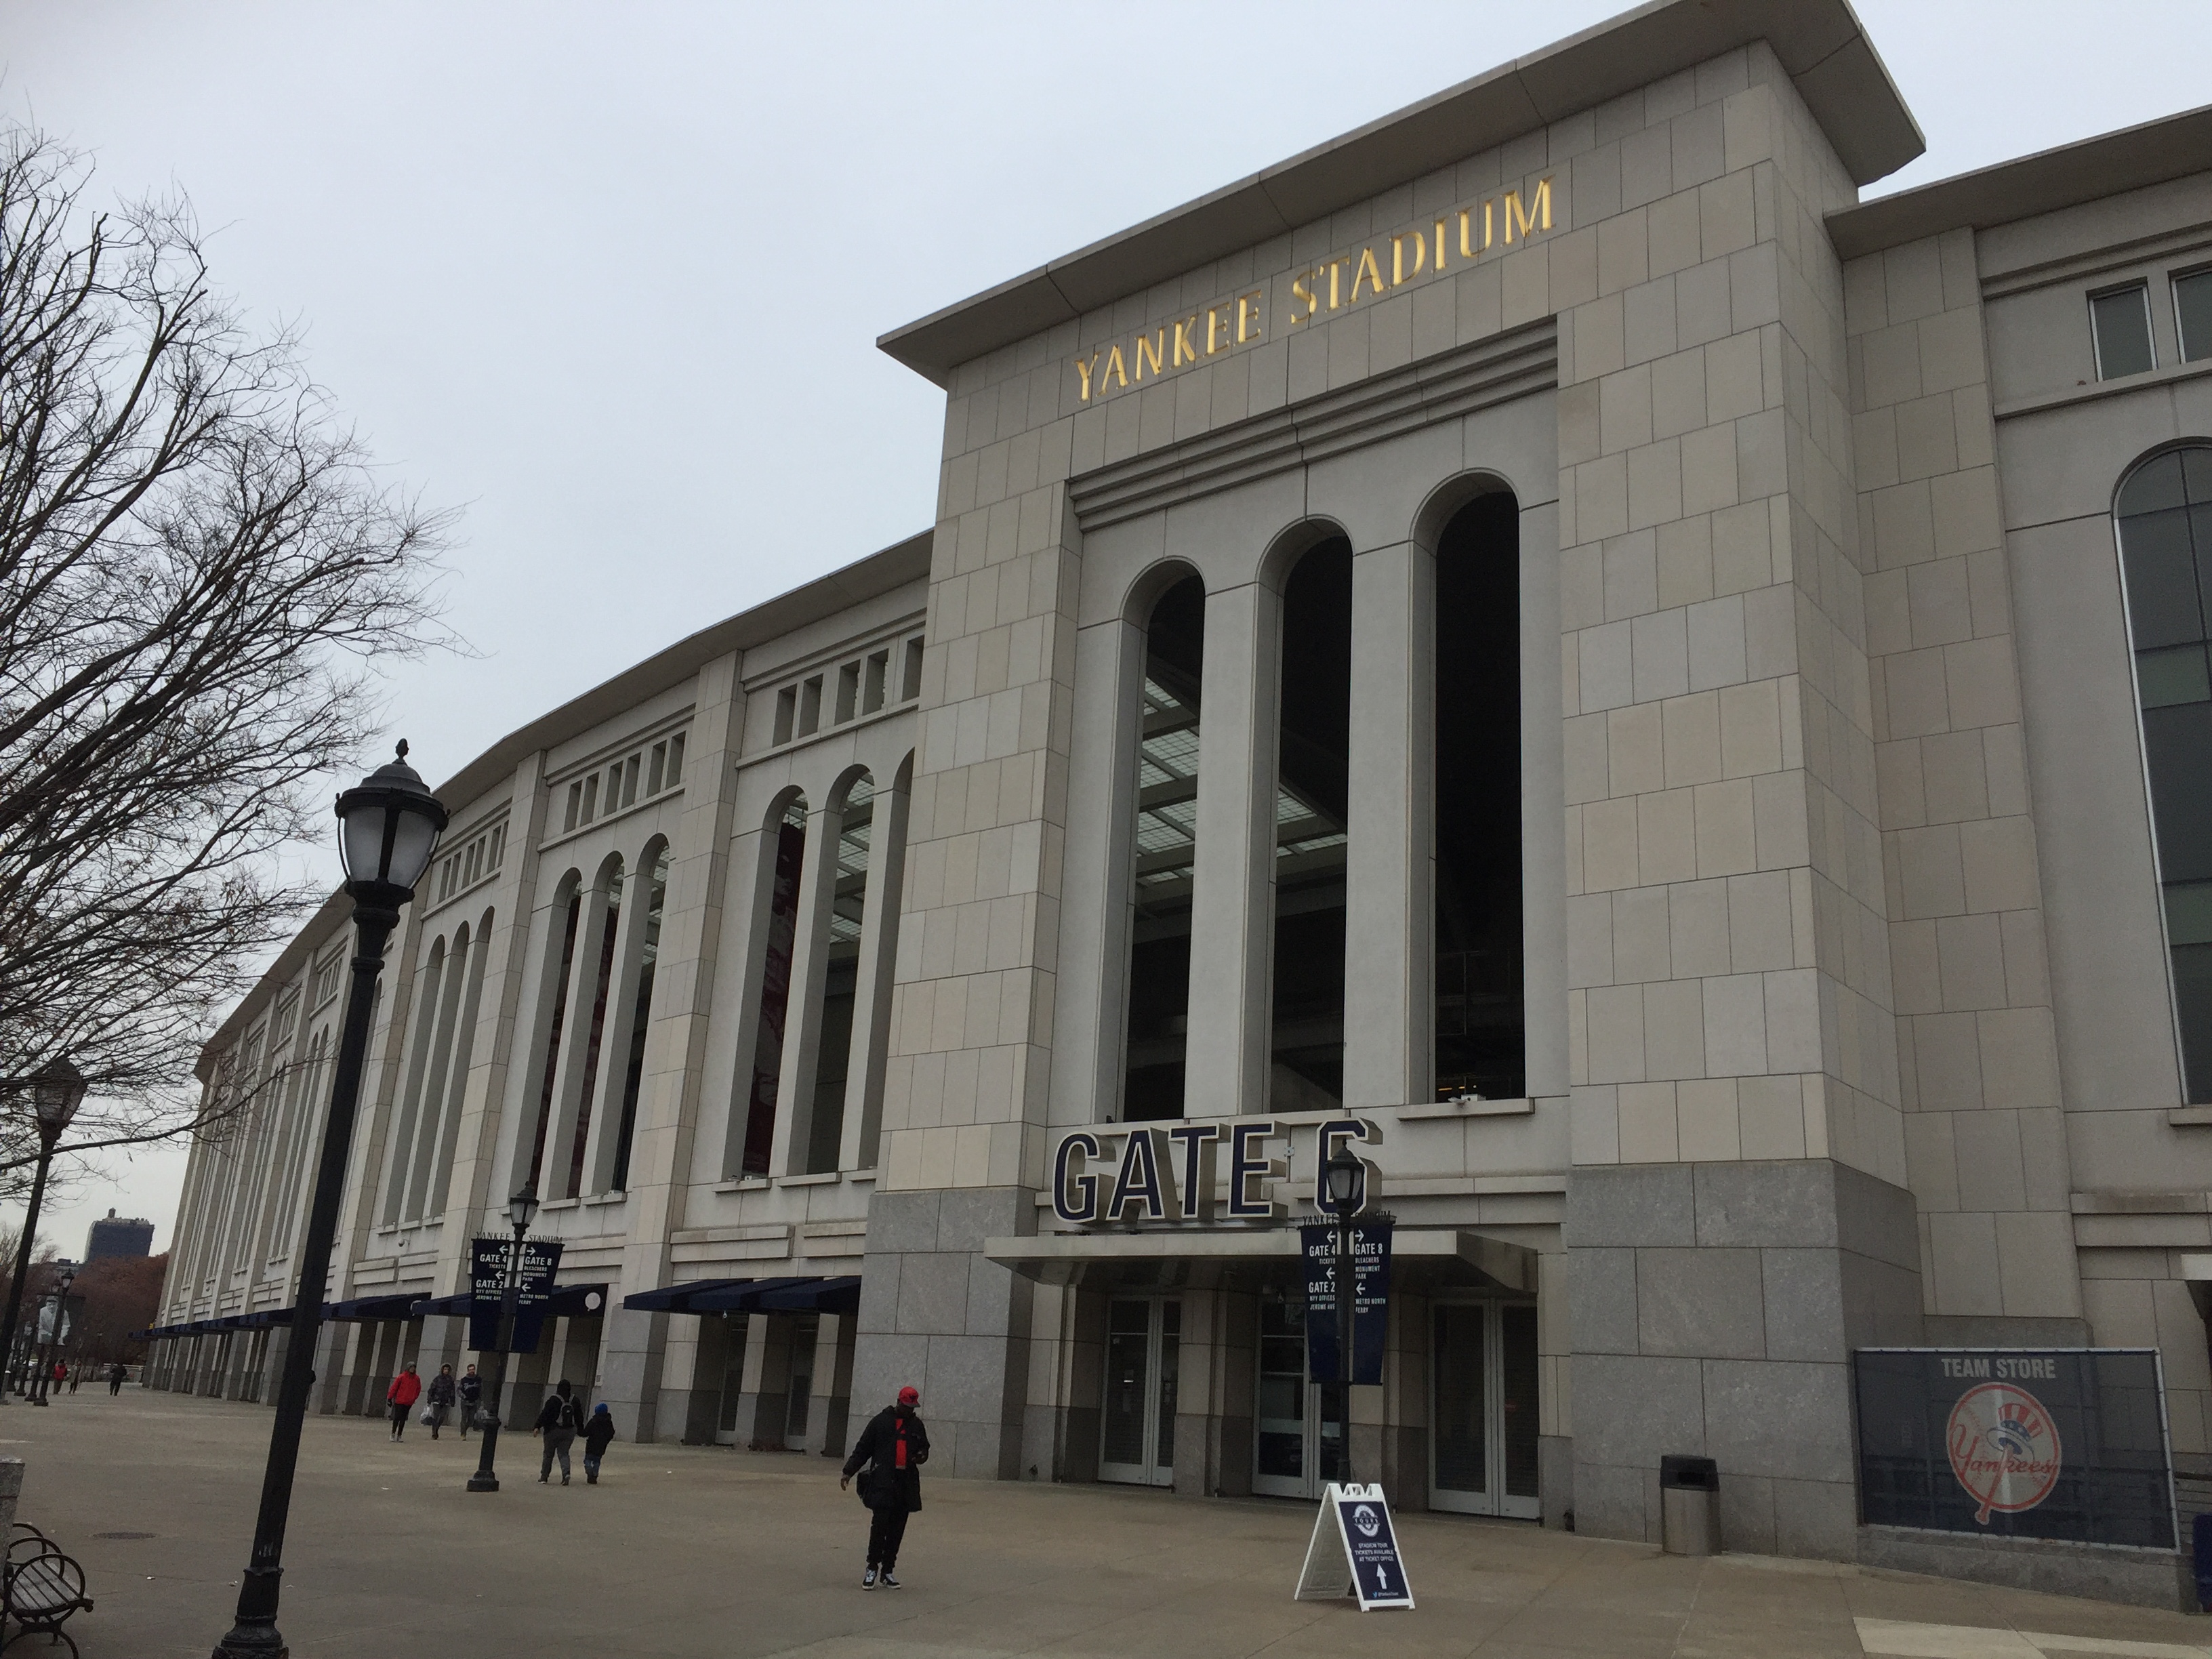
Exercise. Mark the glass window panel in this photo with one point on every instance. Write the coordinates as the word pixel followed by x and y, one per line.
pixel 1170 1363
pixel 2197 473
pixel 1517 1402
pixel 2192 312
pixel 1462 1428
pixel 2173 675
pixel 1158 986
pixel 1313 768
pixel 2161 576
pixel 2192 1001
pixel 2156 483
pixel 2122 322
pixel 2189 913
pixel 2178 748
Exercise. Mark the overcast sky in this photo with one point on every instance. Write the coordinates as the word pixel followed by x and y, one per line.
pixel 609 278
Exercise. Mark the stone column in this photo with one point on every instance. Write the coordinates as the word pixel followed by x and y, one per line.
pixel 1737 1196
pixel 1232 880
pixel 1389 915
pixel 632 1355
pixel 802 1017
pixel 872 1001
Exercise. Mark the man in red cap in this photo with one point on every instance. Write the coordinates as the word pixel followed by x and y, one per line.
pixel 894 1446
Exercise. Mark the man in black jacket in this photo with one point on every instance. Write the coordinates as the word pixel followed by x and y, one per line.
pixel 895 1445
pixel 558 1419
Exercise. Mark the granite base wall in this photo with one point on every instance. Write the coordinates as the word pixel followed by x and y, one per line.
pixel 1712 1311
pixel 2142 1578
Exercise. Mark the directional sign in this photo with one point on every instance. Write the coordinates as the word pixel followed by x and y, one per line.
pixel 1370 1300
pixel 489 1261
pixel 1354 1551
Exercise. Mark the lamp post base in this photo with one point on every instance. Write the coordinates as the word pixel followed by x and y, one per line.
pixel 481 1482
pixel 255 1635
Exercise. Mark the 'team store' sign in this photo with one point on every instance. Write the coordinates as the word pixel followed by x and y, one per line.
pixel 1337 284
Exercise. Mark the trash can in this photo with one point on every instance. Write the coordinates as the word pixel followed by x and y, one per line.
pixel 1690 1505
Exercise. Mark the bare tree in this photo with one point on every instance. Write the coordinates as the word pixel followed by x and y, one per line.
pixel 200 573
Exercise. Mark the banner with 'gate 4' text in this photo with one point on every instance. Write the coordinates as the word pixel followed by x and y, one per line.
pixel 2018 1443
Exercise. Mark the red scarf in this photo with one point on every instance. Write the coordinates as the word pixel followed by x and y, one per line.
pixel 898 1455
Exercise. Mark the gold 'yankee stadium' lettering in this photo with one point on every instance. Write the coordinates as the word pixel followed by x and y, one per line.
pixel 1335 284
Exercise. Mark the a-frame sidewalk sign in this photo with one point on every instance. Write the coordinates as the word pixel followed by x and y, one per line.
pixel 1354 1551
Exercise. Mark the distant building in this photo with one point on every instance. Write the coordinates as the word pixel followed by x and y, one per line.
pixel 131 1236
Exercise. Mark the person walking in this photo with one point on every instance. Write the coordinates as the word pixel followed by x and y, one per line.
pixel 441 1398
pixel 471 1390
pixel 77 1376
pixel 116 1377
pixel 597 1433
pixel 406 1388
pixel 558 1419
pixel 894 1447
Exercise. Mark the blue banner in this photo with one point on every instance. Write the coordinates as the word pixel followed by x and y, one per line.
pixel 1370 1291
pixel 489 1260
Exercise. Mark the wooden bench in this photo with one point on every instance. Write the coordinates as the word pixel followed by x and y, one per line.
pixel 41 1589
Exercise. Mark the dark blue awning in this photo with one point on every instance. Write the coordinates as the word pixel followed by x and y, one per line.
pixel 677 1298
pixel 364 1308
pixel 831 1295
pixel 740 1298
pixel 790 1294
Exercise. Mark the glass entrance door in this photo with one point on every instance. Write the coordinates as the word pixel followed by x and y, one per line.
pixel 733 1379
pixel 1295 1422
pixel 1484 1414
pixel 801 1396
pixel 1136 1442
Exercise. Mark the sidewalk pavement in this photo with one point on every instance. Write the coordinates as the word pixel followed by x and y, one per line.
pixel 698 1551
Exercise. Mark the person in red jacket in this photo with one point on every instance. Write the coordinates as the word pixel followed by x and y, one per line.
pixel 406 1388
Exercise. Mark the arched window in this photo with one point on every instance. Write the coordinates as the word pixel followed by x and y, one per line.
pixel 1165 842
pixel 1313 770
pixel 1480 1031
pixel 553 1004
pixel 787 852
pixel 2165 513
pixel 840 977
pixel 415 1136
pixel 640 1016
pixel 435 1159
pixel 570 1178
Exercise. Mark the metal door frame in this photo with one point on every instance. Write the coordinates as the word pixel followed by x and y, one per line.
pixel 1313 1428
pixel 1146 1473
pixel 1494 1500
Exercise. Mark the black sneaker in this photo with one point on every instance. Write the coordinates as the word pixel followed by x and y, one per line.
pixel 868 1579
pixel 888 1582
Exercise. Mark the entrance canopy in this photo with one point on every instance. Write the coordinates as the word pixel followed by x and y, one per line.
pixel 567 1301
pixel 365 1308
pixel 1421 1258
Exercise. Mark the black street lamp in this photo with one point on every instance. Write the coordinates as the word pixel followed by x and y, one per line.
pixel 521 1210
pixel 56 1088
pixel 1346 1177
pixel 389 828
pixel 42 1386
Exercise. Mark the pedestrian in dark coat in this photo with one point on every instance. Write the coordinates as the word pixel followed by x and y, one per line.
pixel 558 1420
pixel 116 1373
pixel 893 1447
pixel 406 1388
pixel 469 1388
pixel 441 1398
pixel 597 1434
